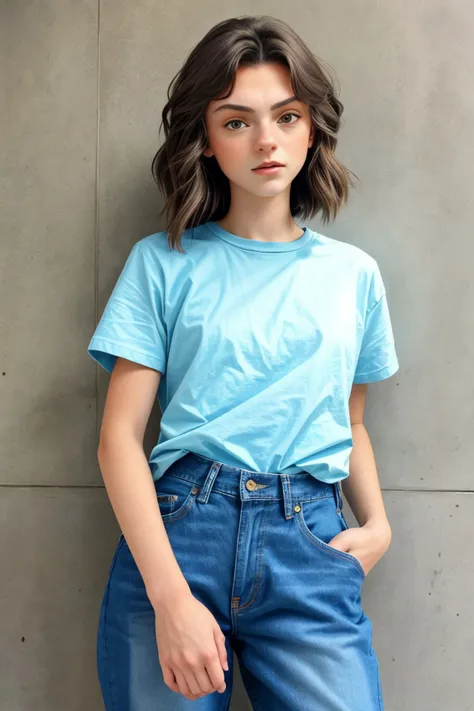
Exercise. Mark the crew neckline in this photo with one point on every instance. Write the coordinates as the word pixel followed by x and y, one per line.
pixel 259 245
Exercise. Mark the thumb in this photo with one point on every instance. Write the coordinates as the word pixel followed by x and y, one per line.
pixel 337 542
pixel 221 649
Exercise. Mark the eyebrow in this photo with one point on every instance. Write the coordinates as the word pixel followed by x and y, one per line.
pixel 239 107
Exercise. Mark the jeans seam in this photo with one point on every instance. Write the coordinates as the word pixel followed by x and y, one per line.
pixel 106 602
pixel 167 516
pixel 258 577
pixel 379 691
pixel 227 705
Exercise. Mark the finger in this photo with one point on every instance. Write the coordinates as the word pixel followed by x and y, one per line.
pixel 169 678
pixel 193 683
pixel 216 674
pixel 182 683
pixel 204 682
pixel 221 649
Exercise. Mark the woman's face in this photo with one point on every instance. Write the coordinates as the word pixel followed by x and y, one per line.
pixel 241 139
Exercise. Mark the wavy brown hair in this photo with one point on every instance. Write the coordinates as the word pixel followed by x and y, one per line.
pixel 195 188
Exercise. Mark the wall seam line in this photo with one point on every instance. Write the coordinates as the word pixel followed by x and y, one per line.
pixel 96 220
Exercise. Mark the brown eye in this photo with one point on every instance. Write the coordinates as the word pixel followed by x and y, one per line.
pixel 233 121
pixel 291 114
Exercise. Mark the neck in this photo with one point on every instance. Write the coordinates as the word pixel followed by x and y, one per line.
pixel 267 219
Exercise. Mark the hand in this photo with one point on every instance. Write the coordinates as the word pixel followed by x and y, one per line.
pixel 191 647
pixel 367 543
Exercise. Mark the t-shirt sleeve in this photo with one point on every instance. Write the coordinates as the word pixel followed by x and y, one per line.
pixel 132 324
pixel 377 358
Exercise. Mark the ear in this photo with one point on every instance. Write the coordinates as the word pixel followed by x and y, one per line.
pixel 208 153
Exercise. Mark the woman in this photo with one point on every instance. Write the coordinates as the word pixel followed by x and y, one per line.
pixel 260 338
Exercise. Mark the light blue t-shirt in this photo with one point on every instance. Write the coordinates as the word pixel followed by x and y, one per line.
pixel 258 344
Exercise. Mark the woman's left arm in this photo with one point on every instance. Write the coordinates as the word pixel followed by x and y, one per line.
pixel 362 491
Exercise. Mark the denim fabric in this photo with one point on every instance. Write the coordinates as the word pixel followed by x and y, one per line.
pixel 253 547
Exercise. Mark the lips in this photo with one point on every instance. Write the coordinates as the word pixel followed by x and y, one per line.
pixel 268 165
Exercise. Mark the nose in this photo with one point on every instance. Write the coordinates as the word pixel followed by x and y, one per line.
pixel 265 139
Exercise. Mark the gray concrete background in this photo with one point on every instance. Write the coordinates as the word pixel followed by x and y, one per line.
pixel 82 90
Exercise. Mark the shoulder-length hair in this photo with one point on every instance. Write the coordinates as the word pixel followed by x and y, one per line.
pixel 195 188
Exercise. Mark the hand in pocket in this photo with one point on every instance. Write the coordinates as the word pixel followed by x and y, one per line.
pixel 367 543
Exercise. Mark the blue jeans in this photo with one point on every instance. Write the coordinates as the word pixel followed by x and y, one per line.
pixel 254 550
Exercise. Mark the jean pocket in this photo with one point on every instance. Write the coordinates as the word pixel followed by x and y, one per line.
pixel 320 521
pixel 175 496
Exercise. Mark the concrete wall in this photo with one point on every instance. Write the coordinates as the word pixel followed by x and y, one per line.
pixel 82 90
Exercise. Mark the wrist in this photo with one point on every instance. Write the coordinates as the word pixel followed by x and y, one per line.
pixel 168 597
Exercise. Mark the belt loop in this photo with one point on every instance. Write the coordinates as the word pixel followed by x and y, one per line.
pixel 288 506
pixel 338 495
pixel 208 483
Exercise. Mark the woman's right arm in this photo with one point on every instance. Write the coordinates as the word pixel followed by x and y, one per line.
pixel 128 481
pixel 191 645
